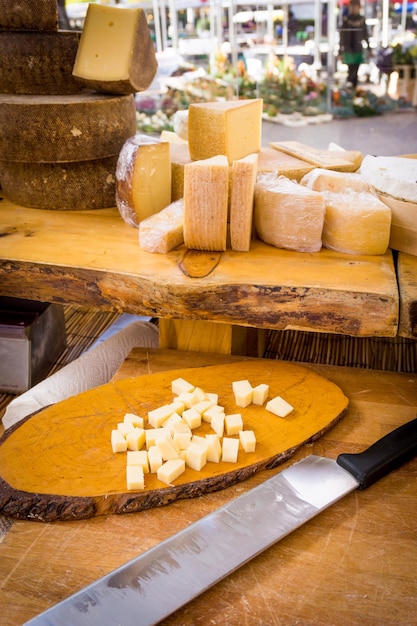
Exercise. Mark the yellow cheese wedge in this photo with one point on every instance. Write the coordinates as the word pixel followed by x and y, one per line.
pixel 243 180
pixel 329 159
pixel 320 179
pixel 282 164
pixel 116 53
pixel 231 128
pixel 36 15
pixel 164 230
pixel 356 223
pixel 288 215
pixel 143 178
pixel 206 189
pixel 180 156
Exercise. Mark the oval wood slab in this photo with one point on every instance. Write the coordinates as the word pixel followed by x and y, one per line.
pixel 58 463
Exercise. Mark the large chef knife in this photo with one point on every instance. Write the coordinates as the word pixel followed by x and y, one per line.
pixel 161 580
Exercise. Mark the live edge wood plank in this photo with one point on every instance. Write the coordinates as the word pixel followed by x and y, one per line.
pixel 92 258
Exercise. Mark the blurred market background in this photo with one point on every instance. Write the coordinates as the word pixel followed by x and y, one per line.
pixel 285 53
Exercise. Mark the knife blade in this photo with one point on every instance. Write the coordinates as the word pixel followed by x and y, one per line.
pixel 156 583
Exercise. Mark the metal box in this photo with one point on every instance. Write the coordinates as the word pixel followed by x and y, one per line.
pixel 32 336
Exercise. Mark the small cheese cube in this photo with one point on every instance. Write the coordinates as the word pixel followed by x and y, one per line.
pixel 138 457
pixel 215 409
pixel 247 440
pixel 167 448
pixel 153 435
pixel 214 448
pixel 170 470
pixel 135 439
pixel 173 419
pixel 202 406
pixel 192 418
pixel 187 398
pixel 181 440
pixel 217 423
pixel 233 424
pixel 158 416
pixel 179 385
pixel 118 442
pixel 200 441
pixel 243 392
pixel 196 456
pixel 181 427
pixel 124 428
pixel 154 459
pixel 131 418
pixel 260 394
pixel 214 397
pixel 135 479
pixel 230 449
pixel 278 406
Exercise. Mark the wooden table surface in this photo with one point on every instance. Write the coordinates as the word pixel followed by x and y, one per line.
pixel 92 258
pixel 354 564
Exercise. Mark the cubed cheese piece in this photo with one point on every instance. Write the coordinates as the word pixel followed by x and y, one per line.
pixel 163 231
pixel 214 397
pixel 243 392
pixel 278 406
pixel 192 418
pixel 143 178
pixel 214 448
pixel 230 449
pixel 247 440
pixel 208 415
pixel 118 441
pixel 260 394
pixel 196 456
pixel 288 215
pixel 173 419
pixel 320 179
pixel 136 420
pixel 356 223
pixel 203 406
pixel 190 398
pixel 153 435
pixel 230 127
pixel 180 385
pixel 206 192
pixel 125 427
pixel 116 53
pixel 135 479
pixel 156 417
pixel 167 448
pixel 182 440
pixel 154 459
pixel 139 457
pixel 217 423
pixel 243 180
pixel 200 441
pixel 170 470
pixel 233 423
pixel 135 439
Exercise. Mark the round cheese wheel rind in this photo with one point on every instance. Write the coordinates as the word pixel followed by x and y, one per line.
pixel 38 15
pixel 60 186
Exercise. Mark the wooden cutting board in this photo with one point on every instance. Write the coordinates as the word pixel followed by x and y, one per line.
pixel 58 463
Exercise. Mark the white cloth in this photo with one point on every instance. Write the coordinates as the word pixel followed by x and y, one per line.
pixel 93 368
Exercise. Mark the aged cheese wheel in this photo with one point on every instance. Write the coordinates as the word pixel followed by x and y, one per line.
pixel 66 128
pixel 36 15
pixel 116 52
pixel 60 186
pixel 38 63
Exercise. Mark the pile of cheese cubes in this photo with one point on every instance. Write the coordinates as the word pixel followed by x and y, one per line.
pixel 168 445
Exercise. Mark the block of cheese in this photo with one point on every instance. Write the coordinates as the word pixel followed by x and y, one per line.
pixel 38 15
pixel 280 407
pixel 231 128
pixel 282 164
pixel 116 53
pixel 170 470
pixel 395 176
pixel 230 449
pixel 356 223
pixel 143 178
pixel 321 179
pixel 288 215
pixel 180 156
pixel 72 186
pixel 242 189
pixel 163 231
pixel 38 63
pixel 206 190
pixel 260 394
pixel 329 159
pixel 247 440
pixel 75 127
pixel 135 479
pixel 243 393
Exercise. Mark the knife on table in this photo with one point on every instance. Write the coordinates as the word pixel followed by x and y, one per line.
pixel 156 583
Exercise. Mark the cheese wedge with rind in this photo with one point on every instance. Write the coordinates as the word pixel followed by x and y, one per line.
pixel 243 180
pixel 163 231
pixel 116 53
pixel 321 179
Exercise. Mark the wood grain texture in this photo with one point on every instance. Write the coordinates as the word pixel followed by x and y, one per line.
pixel 354 564
pixel 407 278
pixel 58 464
pixel 92 258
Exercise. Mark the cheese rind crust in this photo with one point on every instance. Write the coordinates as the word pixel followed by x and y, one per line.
pixel 38 15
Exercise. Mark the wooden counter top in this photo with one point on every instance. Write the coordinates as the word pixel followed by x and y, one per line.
pixel 353 564
pixel 92 258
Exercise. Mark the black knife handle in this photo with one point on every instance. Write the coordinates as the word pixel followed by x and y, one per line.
pixel 388 453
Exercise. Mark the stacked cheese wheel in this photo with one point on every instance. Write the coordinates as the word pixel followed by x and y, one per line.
pixel 61 133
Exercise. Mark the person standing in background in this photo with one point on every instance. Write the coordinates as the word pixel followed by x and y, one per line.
pixel 353 34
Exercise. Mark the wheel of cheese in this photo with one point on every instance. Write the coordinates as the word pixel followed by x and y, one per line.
pixel 36 15
pixel 60 186
pixel 82 127
pixel 38 63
